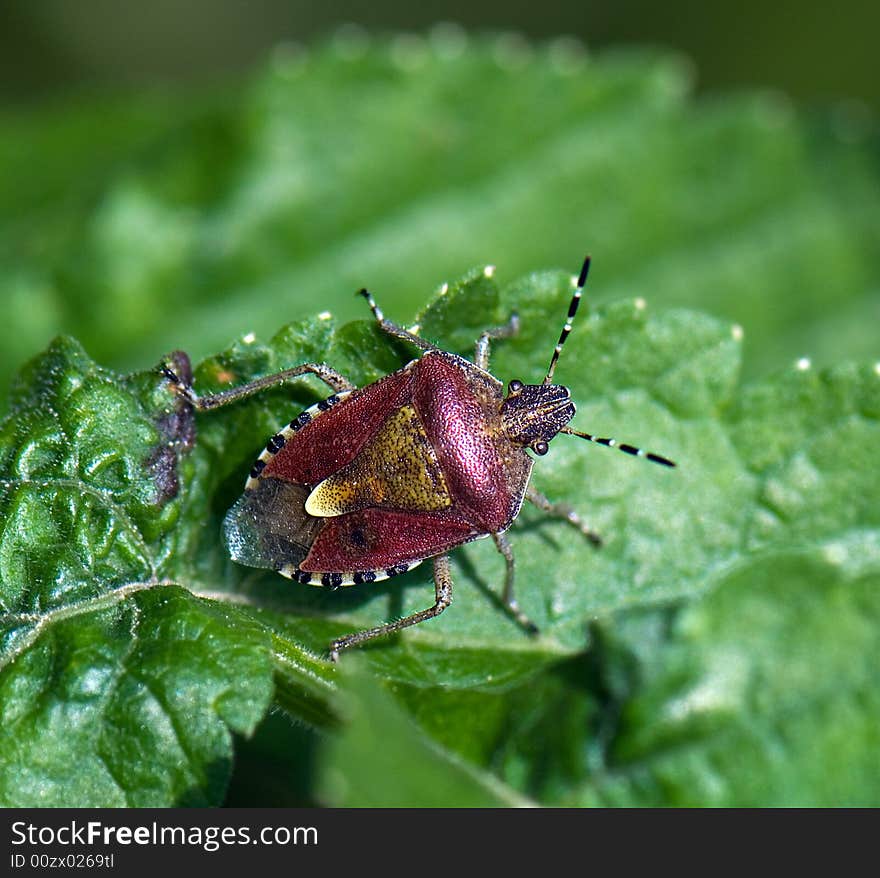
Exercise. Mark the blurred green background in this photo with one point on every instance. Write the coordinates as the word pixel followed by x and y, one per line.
pixel 812 51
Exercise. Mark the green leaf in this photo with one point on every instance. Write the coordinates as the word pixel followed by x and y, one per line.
pixel 382 760
pixel 764 695
pixel 107 493
pixel 116 685
pixel 127 700
pixel 99 525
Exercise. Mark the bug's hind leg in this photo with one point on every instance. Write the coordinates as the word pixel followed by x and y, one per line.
pixel 565 512
pixel 507 596
pixel 481 352
pixel 442 599
pixel 392 328
pixel 183 384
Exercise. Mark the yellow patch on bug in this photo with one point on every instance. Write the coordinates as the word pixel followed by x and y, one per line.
pixel 397 469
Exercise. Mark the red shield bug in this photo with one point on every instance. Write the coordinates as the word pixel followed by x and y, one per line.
pixel 372 481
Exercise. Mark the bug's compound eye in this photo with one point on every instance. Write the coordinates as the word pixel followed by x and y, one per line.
pixel 514 386
pixel 541 448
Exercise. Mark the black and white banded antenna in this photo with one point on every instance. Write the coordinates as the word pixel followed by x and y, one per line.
pixel 572 310
pixel 620 446
pixel 625 447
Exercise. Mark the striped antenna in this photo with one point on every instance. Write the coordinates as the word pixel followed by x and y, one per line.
pixel 620 446
pixel 572 310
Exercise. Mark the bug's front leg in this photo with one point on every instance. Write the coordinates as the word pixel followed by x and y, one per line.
pixel 183 384
pixel 392 328
pixel 565 512
pixel 507 596
pixel 442 599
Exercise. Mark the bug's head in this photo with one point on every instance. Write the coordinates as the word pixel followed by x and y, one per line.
pixel 534 413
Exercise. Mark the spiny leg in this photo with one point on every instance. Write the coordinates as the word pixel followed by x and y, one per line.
pixel 563 511
pixel 507 596
pixel 329 376
pixel 393 328
pixel 481 353
pixel 442 599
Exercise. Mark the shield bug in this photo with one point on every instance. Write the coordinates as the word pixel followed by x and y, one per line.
pixel 372 481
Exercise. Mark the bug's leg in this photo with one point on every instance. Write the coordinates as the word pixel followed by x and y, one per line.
pixel 565 512
pixel 212 401
pixel 442 599
pixel 507 596
pixel 481 353
pixel 393 328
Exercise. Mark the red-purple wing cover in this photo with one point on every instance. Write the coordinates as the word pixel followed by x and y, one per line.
pixel 326 444
pixel 373 539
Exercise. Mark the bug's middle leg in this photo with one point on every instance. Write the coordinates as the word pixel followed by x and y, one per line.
pixel 565 512
pixel 507 596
